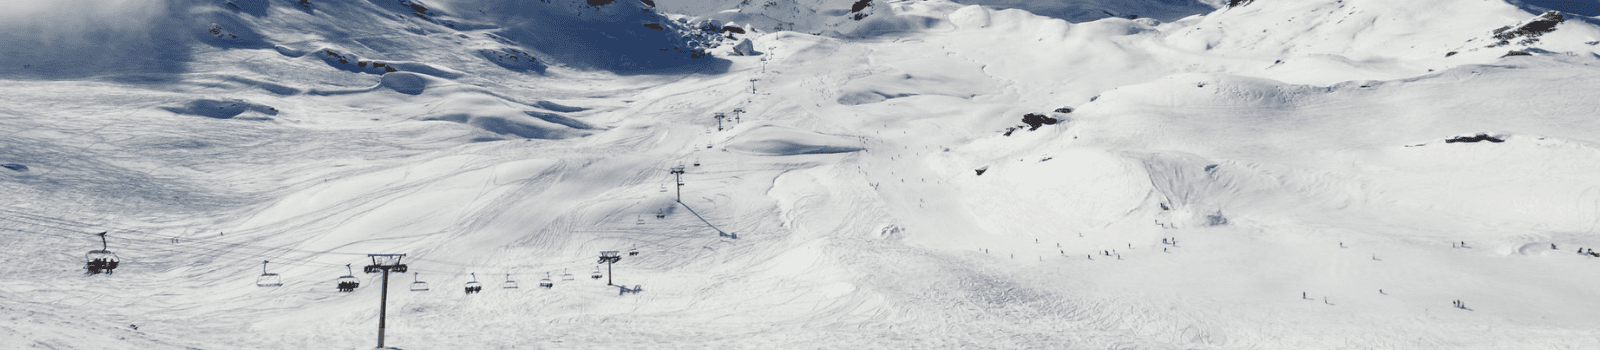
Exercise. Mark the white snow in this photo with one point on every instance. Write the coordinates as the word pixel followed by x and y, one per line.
pixel 1286 147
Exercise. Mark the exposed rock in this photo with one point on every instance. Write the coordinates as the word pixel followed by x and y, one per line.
pixel 745 48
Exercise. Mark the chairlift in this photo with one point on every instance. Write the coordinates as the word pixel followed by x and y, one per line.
pixel 474 286
pixel 546 281
pixel 348 283
pixel 418 286
pixel 634 250
pixel 697 160
pixel 101 261
pixel 566 276
pixel 268 279
pixel 596 274
pixel 509 283
pixel 641 220
pixel 663 187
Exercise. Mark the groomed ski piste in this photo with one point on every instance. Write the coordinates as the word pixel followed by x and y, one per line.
pixel 1305 174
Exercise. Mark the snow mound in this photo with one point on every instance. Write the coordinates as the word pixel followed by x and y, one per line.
pixel 221 109
pixel 775 140
pixel 409 83
pixel 503 118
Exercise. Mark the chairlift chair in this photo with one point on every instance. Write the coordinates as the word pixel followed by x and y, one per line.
pixel 566 276
pixel 697 160
pixel 596 274
pixel 348 283
pixel 268 279
pixel 641 220
pixel 663 187
pixel 474 286
pixel 509 283
pixel 634 251
pixel 546 283
pixel 101 261
pixel 418 286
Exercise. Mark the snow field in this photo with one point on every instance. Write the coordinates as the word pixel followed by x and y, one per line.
pixel 850 183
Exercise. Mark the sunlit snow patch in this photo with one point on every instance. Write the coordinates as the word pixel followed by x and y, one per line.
pixel 781 141
pixel 917 77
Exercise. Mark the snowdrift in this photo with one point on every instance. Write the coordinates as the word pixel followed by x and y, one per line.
pixel 772 140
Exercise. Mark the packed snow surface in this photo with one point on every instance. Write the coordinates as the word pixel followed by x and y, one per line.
pixel 1310 174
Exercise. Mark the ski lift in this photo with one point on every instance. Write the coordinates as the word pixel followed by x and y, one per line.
pixel 418 286
pixel 348 283
pixel 509 283
pixel 641 220
pixel 268 279
pixel 596 274
pixel 634 251
pixel 566 276
pixel 474 286
pixel 697 160
pixel 546 281
pixel 101 261
pixel 663 187
pixel 708 145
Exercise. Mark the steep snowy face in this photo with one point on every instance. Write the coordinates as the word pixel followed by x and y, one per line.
pixel 624 35
pixel 849 17
pixel 137 40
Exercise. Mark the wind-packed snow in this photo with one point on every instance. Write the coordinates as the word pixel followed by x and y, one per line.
pixel 1271 175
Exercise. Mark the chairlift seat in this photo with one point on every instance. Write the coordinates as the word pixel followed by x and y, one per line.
pixel 269 280
pixel 348 283
pixel 474 287
pixel 509 285
pixel 100 261
pixel 418 286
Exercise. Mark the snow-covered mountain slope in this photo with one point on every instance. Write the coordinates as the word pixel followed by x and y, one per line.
pixel 1295 174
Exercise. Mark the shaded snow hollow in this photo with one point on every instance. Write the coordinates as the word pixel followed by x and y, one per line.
pixel 774 140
